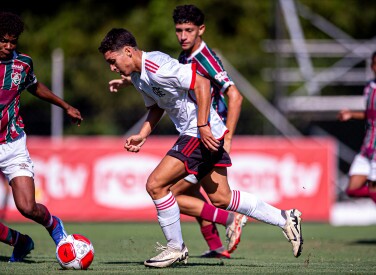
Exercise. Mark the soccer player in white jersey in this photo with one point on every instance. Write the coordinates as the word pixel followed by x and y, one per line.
pixel 189 28
pixel 167 85
pixel 16 75
pixel 362 172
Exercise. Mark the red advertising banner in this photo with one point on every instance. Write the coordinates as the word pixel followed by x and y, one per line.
pixel 95 179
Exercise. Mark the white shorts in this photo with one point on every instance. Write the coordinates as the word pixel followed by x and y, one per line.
pixel 191 179
pixel 363 166
pixel 15 160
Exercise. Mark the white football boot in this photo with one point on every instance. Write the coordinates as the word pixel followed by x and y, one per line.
pixel 234 231
pixel 293 231
pixel 169 256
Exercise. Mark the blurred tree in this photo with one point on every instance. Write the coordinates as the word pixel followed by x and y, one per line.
pixel 235 28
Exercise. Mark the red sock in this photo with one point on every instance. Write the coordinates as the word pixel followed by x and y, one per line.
pixel 211 236
pixel 360 192
pixel 213 214
pixel 372 195
pixel 10 236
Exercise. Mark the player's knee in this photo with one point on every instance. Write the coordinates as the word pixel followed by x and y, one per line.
pixel 153 187
pixel 221 200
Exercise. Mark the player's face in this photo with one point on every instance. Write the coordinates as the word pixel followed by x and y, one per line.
pixel 8 44
pixel 120 61
pixel 189 36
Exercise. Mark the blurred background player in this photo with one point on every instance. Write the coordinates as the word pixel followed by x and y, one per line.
pixel 16 75
pixel 362 172
pixel 189 28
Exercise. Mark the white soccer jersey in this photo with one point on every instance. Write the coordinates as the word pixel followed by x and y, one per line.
pixel 166 82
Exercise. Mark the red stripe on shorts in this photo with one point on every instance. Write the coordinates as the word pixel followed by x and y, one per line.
pixel 191 146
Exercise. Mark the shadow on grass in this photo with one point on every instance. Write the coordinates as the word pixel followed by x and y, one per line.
pixel 180 265
pixel 6 259
pixel 223 258
pixel 364 242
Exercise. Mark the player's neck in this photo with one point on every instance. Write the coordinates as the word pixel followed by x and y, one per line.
pixel 195 47
pixel 137 58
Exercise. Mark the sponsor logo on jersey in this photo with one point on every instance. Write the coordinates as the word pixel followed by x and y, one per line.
pixel 23 165
pixel 17 67
pixel 16 78
pixel 221 76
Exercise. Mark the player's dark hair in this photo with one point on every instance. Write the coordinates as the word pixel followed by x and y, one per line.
pixel 10 24
pixel 188 14
pixel 116 39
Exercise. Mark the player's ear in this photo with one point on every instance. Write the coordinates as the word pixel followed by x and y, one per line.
pixel 127 51
pixel 201 30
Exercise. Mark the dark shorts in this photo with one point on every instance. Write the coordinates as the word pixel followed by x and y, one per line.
pixel 197 158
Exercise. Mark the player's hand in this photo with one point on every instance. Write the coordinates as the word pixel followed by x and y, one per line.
pixel 115 84
pixel 74 115
pixel 207 138
pixel 344 115
pixel 134 143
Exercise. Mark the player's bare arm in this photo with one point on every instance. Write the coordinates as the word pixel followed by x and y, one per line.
pixel 203 97
pixel 41 91
pixel 345 115
pixel 134 143
pixel 116 84
pixel 235 100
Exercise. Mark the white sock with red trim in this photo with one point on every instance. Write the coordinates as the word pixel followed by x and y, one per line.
pixel 249 205
pixel 169 220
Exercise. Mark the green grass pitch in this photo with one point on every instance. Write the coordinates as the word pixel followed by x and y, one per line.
pixel 122 248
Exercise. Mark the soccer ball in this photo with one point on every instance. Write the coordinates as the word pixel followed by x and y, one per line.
pixel 75 252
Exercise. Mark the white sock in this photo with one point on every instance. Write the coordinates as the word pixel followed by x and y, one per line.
pixel 249 205
pixel 169 220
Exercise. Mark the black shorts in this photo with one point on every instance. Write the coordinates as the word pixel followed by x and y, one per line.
pixel 197 158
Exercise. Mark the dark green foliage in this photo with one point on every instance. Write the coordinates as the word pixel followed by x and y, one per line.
pixel 235 28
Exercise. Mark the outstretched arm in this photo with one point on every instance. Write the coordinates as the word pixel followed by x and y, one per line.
pixel 203 97
pixel 235 100
pixel 134 143
pixel 41 91
pixel 345 115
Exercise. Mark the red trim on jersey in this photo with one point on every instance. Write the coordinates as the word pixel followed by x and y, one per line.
pixel 222 137
pixel 208 55
pixel 151 66
pixel 192 86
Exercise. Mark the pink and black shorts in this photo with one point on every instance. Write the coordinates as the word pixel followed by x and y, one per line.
pixel 197 158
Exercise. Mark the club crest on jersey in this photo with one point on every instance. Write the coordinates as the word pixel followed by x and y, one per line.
pixel 158 91
pixel 16 78
pixel 221 76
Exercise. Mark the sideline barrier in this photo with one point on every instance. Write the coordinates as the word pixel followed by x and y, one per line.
pixel 95 179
